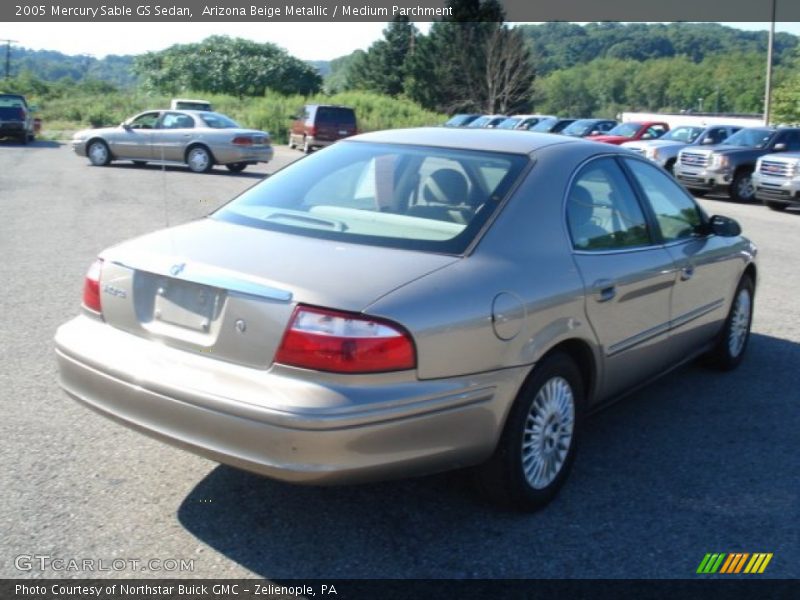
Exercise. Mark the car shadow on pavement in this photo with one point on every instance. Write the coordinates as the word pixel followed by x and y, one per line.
pixel 218 170
pixel 698 460
pixel 9 142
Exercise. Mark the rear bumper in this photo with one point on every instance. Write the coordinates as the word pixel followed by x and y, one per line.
pixel 248 154
pixel 279 422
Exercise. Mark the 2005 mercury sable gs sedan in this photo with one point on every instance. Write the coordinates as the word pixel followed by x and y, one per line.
pixel 411 301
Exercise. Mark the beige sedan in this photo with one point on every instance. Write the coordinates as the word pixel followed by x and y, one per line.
pixel 199 139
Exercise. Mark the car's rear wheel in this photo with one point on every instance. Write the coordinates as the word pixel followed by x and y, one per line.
pixel 537 446
pixel 742 189
pixel 199 159
pixel 98 153
pixel 732 343
pixel 236 167
pixel 779 206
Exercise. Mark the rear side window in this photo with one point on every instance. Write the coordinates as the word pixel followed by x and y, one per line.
pixel 336 114
pixel 401 196
pixel 602 210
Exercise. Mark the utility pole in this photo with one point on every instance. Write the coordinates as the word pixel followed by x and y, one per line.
pixel 8 56
pixel 768 86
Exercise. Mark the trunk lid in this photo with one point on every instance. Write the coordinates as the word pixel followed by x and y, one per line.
pixel 230 290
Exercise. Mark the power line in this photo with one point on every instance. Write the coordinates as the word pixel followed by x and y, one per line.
pixel 8 56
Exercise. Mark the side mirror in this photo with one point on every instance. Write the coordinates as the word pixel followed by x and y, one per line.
pixel 707 140
pixel 126 126
pixel 779 147
pixel 724 226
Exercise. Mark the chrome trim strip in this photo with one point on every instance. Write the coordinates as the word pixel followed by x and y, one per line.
pixel 697 313
pixel 212 276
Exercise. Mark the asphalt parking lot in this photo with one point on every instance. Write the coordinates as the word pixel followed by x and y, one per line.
pixel 698 462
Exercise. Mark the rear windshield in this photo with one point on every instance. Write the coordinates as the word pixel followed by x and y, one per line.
pixel 218 121
pixel 399 196
pixel 336 114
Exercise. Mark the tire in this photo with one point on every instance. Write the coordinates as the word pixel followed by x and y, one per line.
pixel 306 148
pixel 98 153
pixel 779 206
pixel 729 350
pixel 23 139
pixel 199 159
pixel 742 189
pixel 670 166
pixel 236 167
pixel 31 137
pixel 533 459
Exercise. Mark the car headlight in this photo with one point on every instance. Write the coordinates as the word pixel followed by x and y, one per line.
pixel 651 153
pixel 720 161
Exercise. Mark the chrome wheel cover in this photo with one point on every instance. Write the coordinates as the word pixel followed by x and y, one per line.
pixel 548 432
pixel 740 323
pixel 98 153
pixel 198 159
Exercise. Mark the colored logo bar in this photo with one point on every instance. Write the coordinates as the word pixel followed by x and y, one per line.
pixel 735 562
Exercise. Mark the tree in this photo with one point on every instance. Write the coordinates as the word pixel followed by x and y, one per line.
pixel 224 65
pixel 471 62
pixel 383 68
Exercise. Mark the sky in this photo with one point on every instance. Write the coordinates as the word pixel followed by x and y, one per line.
pixel 307 41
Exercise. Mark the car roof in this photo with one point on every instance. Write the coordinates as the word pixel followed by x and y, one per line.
pixel 514 141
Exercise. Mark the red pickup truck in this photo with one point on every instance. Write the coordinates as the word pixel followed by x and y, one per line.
pixel 632 131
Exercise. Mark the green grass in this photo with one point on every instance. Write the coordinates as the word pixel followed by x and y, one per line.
pixel 271 112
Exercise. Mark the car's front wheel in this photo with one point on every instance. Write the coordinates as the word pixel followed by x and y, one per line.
pixel 98 153
pixel 537 446
pixel 729 349
pixel 742 189
pixel 199 159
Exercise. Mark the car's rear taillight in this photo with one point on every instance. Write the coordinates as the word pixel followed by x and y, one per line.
pixel 91 287
pixel 22 114
pixel 243 140
pixel 330 340
pixel 312 130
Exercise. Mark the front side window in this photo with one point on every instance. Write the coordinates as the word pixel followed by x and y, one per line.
pixel 401 196
pixel 754 137
pixel 602 210
pixel 145 121
pixel 678 216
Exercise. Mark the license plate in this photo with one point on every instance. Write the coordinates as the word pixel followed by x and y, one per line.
pixel 185 304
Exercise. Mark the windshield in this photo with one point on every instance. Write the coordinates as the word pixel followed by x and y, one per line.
pixel 627 130
pixel 509 123
pixel 580 127
pixel 544 125
pixel 412 197
pixel 750 138
pixel 459 120
pixel 480 122
pixel 218 121
pixel 684 134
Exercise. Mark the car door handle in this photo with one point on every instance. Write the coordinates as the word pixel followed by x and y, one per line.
pixel 687 272
pixel 604 290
